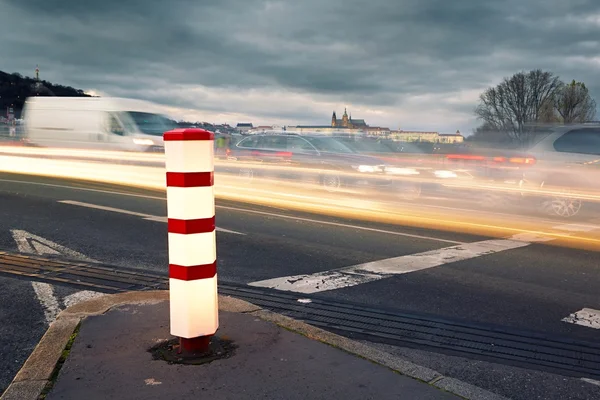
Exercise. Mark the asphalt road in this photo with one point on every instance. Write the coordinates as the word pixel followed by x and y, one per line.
pixel 532 287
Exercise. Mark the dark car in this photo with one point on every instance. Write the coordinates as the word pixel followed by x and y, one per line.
pixel 321 159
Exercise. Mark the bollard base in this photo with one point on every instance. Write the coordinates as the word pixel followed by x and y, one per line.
pixel 192 351
pixel 195 345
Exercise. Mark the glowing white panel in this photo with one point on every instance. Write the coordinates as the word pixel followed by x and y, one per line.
pixel 189 156
pixel 194 307
pixel 194 249
pixel 190 202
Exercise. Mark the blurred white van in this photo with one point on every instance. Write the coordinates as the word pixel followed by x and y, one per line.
pixel 100 123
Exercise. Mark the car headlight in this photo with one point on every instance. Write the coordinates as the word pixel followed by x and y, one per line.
pixel 368 168
pixel 445 174
pixel 401 171
pixel 143 142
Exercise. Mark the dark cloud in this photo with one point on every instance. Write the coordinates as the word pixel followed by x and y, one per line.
pixel 376 54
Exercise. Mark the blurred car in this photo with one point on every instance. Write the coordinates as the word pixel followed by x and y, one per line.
pixel 566 163
pixel 559 173
pixel 98 123
pixel 413 168
pixel 330 163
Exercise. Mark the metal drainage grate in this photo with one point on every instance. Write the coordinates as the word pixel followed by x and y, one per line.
pixel 568 356
pixel 100 277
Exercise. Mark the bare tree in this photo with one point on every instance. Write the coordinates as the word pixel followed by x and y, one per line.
pixel 574 103
pixel 517 102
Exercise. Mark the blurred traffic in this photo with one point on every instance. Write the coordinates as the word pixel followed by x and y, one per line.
pixel 361 175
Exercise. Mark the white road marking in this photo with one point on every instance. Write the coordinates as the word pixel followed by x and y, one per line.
pixel 30 243
pixel 585 317
pixel 316 221
pixel 570 227
pixel 147 217
pixel 143 196
pixel 593 382
pixel 45 295
pixel 78 297
pixel 373 271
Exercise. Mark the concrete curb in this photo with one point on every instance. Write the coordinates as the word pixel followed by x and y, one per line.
pixel 37 371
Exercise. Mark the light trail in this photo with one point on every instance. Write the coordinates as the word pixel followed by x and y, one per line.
pixel 303 197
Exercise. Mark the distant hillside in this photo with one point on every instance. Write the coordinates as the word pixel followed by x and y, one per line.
pixel 15 88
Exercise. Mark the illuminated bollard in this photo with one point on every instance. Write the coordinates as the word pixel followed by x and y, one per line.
pixel 189 163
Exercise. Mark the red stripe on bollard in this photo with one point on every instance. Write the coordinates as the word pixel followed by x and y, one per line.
pixel 190 179
pixel 192 273
pixel 191 226
pixel 188 134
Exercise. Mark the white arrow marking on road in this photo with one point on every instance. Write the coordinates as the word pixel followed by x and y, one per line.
pixel 137 214
pixel 30 243
pixel 585 317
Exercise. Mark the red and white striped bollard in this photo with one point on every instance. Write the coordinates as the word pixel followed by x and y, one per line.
pixel 189 163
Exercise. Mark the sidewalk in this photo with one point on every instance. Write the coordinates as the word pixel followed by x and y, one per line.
pixel 273 357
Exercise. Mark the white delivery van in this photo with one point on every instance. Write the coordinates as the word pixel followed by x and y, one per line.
pixel 100 123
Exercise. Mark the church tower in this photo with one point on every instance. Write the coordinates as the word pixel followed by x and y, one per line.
pixel 333 120
pixel 345 119
pixel 37 73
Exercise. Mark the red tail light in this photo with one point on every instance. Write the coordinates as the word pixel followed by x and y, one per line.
pixel 283 154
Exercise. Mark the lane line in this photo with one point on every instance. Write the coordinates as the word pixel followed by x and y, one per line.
pixel 30 243
pixel 376 270
pixel 585 317
pixel 316 221
pixel 234 208
pixel 147 217
pixel 143 196
pixel 569 226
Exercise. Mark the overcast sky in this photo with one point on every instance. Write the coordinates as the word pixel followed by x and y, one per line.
pixel 413 64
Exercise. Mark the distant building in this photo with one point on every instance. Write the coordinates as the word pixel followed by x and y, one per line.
pixel 261 129
pixel 244 126
pixel 414 136
pixel 346 125
pixel 429 137
pixel 347 122
pixel 323 129
pixel 377 131
pixel 452 138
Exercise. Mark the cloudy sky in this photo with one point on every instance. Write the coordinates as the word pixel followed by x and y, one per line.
pixel 413 64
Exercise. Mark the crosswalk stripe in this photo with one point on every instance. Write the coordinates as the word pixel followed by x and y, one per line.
pixel 585 317
pixel 372 271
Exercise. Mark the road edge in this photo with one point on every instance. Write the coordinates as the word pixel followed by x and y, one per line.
pixel 37 371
